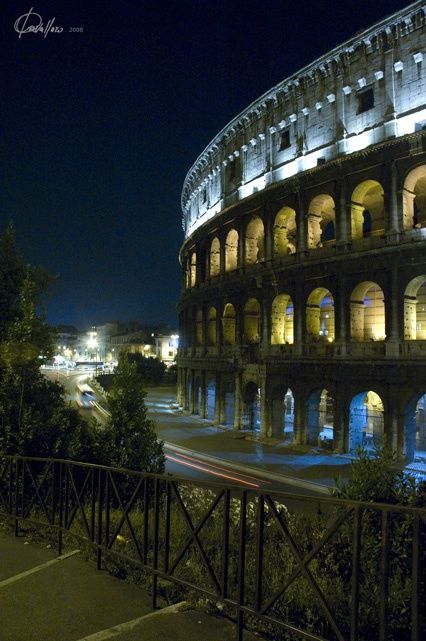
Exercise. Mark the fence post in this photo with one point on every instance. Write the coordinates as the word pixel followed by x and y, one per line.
pixel 241 564
pixel 100 519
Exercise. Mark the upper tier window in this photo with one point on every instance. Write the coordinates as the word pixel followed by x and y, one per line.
pixel 365 100
pixel 285 140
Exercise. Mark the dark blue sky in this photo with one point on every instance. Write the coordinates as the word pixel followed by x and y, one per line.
pixel 99 128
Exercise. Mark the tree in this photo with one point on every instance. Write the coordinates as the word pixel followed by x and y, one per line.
pixel 151 369
pixel 35 420
pixel 130 440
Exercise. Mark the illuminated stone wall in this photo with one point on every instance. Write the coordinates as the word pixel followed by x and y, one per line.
pixel 370 89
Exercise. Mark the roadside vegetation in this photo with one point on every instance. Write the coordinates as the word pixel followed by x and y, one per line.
pixel 35 419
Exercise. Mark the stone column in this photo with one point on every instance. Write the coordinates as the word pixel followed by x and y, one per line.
pixel 203 404
pixel 299 416
pixel 301 225
pixel 340 421
pixel 299 320
pixel 392 315
pixel 343 213
pixel 217 398
pixel 342 313
pixel 265 408
pixel 394 206
pixel 238 401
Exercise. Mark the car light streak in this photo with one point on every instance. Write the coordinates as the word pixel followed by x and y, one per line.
pixel 224 469
pixel 207 471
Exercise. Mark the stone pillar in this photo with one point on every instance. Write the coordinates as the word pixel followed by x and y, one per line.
pixel 301 225
pixel 394 207
pixel 299 417
pixel 222 240
pixel 342 311
pixel 238 401
pixel 217 398
pixel 191 400
pixel 393 306
pixel 268 230
pixel 265 408
pixel 299 320
pixel 341 421
pixel 343 215
pixel 203 404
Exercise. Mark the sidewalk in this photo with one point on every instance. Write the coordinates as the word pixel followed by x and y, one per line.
pixel 45 597
pixel 305 465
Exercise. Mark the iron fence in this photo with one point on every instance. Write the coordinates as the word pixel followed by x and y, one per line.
pixel 303 567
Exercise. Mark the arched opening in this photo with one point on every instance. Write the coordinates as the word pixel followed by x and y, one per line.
pixel 251 408
pixel 367 313
pixel 199 333
pixel 197 396
pixel 210 399
pixel 367 209
pixel 415 310
pixel 320 413
pixel 282 414
pixel 285 232
pixel 414 199
pixel 211 326
pixel 229 324
pixel 215 257
pixel 231 251
pixel 193 270
pixel 321 219
pixel 254 241
pixel 282 318
pixel 252 321
pixel 320 315
pixel 415 430
pixel 365 421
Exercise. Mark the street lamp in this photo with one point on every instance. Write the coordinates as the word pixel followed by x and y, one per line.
pixel 92 344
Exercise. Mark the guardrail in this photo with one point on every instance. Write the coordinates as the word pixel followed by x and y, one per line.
pixel 315 568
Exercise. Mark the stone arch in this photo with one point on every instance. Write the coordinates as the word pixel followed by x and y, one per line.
pixel 254 241
pixel 320 408
pixel 282 320
pixel 282 413
pixel 367 209
pixel 367 313
pixel 251 321
pixel 285 232
pixel 415 309
pixel 414 198
pixel 251 407
pixel 199 329
pixel 320 315
pixel 215 257
pixel 366 421
pixel 211 326
pixel 229 320
pixel 321 221
pixel 231 251
pixel 192 270
pixel 415 429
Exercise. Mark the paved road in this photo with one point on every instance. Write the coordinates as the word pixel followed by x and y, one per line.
pixel 246 462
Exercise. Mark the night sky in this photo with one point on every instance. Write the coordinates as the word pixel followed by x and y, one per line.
pixel 99 128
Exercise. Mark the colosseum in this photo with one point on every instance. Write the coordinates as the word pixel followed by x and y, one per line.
pixel 303 310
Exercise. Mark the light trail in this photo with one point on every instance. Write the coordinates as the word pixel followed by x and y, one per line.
pixel 217 467
pixel 207 471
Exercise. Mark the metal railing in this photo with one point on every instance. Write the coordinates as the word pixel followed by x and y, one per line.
pixel 310 568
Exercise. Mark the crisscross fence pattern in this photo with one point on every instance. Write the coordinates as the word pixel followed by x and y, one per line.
pixel 301 567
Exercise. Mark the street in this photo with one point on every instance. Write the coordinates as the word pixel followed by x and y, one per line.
pixel 198 450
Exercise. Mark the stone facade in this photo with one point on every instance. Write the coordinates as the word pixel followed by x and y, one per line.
pixel 302 314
